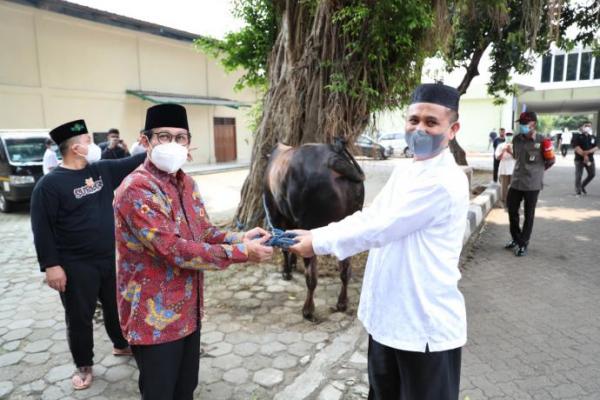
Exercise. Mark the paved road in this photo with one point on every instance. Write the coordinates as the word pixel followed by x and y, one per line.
pixel 534 326
pixel 533 322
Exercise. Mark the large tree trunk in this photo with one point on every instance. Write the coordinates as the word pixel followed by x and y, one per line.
pixel 298 108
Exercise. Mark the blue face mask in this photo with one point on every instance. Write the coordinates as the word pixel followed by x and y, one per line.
pixel 524 129
pixel 424 145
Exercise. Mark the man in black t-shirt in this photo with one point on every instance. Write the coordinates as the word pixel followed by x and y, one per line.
pixel 73 230
pixel 585 146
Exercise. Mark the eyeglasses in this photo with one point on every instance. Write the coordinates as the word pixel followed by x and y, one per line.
pixel 167 137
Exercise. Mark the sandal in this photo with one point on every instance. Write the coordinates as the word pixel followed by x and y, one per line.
pixel 82 378
pixel 122 352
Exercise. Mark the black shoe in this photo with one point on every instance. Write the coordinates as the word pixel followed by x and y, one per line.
pixel 521 251
pixel 583 191
pixel 510 245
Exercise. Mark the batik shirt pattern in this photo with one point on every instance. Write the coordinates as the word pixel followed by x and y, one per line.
pixel 165 241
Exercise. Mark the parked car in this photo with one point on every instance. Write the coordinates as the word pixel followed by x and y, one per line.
pixel 21 155
pixel 370 148
pixel 397 141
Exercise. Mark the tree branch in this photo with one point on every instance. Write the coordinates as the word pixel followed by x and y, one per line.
pixel 472 69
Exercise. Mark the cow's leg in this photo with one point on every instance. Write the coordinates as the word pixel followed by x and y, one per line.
pixel 345 274
pixel 293 262
pixel 286 272
pixel 310 265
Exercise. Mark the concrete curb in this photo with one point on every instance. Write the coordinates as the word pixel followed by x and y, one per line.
pixel 479 208
pixel 315 374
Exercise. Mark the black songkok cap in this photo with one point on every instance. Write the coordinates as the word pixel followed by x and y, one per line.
pixel 436 93
pixel 527 117
pixel 68 130
pixel 167 115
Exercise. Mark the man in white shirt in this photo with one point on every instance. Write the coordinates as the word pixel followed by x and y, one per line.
pixel 410 303
pixel 565 141
pixel 506 166
pixel 50 160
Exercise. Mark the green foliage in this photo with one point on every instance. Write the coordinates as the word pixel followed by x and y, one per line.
pixel 513 51
pixel 248 48
pixel 571 121
pixel 586 16
pixel 255 115
pixel 518 31
pixel 546 123
pixel 385 44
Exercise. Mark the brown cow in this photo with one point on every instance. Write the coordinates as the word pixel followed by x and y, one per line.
pixel 308 187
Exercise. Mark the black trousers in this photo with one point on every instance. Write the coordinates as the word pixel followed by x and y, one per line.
pixel 406 375
pixel 87 282
pixel 496 166
pixel 591 173
pixel 169 371
pixel 513 201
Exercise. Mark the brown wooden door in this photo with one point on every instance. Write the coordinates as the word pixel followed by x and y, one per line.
pixel 225 141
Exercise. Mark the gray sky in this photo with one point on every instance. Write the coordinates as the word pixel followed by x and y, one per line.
pixel 204 17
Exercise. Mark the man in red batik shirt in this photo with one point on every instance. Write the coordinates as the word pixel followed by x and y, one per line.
pixel 164 243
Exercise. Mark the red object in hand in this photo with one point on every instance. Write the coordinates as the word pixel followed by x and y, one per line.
pixel 548 149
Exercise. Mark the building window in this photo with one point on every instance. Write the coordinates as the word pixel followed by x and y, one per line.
pixel 559 68
pixel 546 67
pixel 597 68
pixel 586 66
pixel 572 66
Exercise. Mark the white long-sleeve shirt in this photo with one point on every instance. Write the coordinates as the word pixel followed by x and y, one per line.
pixel 414 228
pixel 507 163
pixel 50 161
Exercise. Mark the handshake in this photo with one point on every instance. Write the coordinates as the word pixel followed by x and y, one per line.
pixel 260 243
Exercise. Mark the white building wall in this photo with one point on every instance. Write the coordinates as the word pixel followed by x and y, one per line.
pixel 55 68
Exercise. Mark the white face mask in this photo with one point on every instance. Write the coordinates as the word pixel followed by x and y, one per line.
pixel 587 129
pixel 169 157
pixel 94 153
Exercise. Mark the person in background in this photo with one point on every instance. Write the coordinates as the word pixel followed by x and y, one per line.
pixel 565 141
pixel 165 241
pixel 137 147
pixel 115 147
pixel 500 139
pixel 492 136
pixel 585 146
pixel 526 183
pixel 74 236
pixel 506 166
pixel 50 160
